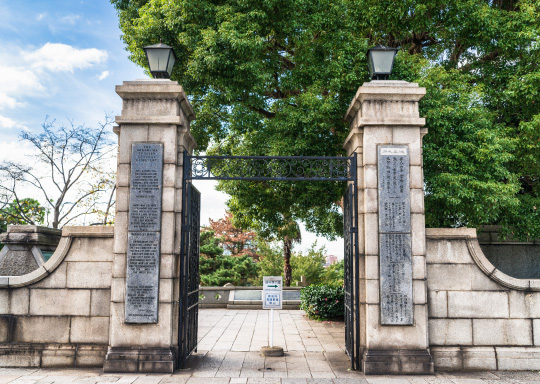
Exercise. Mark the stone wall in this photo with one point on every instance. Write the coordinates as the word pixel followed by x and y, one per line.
pixel 479 317
pixel 519 259
pixel 58 315
pixel 26 248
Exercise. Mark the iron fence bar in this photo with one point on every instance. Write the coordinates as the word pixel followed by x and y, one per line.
pixel 354 162
pixel 183 267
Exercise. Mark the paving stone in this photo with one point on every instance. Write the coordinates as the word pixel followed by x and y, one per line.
pixel 323 374
pixel 386 380
pixel 149 379
pixel 207 380
pixel 264 381
pixel 295 380
pixel 174 380
pixel 8 378
pixel 249 372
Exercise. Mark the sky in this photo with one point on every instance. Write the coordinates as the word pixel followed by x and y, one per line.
pixel 61 60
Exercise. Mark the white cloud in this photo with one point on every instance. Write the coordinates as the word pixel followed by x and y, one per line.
pixel 7 123
pixel 70 19
pixel 8 101
pixel 17 80
pixel 103 75
pixel 41 16
pixel 58 57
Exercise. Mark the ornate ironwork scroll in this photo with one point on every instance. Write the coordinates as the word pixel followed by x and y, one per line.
pixel 271 168
pixel 189 272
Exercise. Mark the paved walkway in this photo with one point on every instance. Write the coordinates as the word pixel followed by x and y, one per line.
pixel 229 341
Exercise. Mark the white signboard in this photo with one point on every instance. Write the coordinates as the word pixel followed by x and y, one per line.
pixel 272 292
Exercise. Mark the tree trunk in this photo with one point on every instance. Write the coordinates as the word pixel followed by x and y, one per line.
pixel 56 218
pixel 287 270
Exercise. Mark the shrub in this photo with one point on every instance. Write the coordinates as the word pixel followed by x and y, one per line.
pixel 323 302
pixel 222 269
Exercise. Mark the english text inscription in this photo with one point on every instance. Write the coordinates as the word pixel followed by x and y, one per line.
pixel 142 278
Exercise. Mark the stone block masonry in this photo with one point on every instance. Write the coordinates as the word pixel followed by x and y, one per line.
pixel 479 318
pixel 386 134
pixel 153 133
pixel 58 315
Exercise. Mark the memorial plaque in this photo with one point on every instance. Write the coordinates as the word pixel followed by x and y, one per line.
pixel 395 235
pixel 394 201
pixel 144 236
pixel 396 279
pixel 142 279
pixel 146 187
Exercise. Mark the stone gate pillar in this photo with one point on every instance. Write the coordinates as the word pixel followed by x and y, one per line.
pixel 153 132
pixel 386 132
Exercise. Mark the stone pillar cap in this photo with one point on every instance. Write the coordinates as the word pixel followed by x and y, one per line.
pixel 384 90
pixel 30 234
pixel 156 89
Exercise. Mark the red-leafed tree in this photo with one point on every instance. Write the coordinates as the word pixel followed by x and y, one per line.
pixel 237 241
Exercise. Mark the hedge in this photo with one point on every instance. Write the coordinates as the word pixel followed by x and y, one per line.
pixel 323 302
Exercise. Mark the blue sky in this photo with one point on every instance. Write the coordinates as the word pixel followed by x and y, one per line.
pixel 63 59
pixel 60 59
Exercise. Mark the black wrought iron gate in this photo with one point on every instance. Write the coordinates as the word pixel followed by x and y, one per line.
pixel 350 259
pixel 189 275
pixel 283 168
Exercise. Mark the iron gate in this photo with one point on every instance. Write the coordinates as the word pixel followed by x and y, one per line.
pixel 283 168
pixel 189 275
pixel 350 262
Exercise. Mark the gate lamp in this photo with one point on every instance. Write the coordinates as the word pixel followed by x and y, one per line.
pixel 160 60
pixel 381 61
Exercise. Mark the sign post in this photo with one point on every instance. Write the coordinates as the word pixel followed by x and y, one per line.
pixel 272 299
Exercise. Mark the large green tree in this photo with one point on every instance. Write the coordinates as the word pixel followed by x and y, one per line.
pixel 275 77
pixel 25 211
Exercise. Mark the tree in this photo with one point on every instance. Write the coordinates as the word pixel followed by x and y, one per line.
pixel 271 262
pixel 20 212
pixel 25 211
pixel 335 274
pixel 309 264
pixel 209 244
pixel 217 269
pixel 236 241
pixel 69 177
pixel 275 78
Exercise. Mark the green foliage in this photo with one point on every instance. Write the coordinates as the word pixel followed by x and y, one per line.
pixel 22 212
pixel 222 269
pixel 209 244
pixel 276 77
pixel 309 264
pixel 334 274
pixel 323 302
pixel 216 269
pixel 270 264
pixel 466 154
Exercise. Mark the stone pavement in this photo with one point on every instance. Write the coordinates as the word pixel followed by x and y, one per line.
pixel 247 331
pixel 229 341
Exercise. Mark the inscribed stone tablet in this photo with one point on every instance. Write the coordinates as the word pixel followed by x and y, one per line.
pixel 142 280
pixel 396 279
pixel 395 235
pixel 146 187
pixel 394 200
